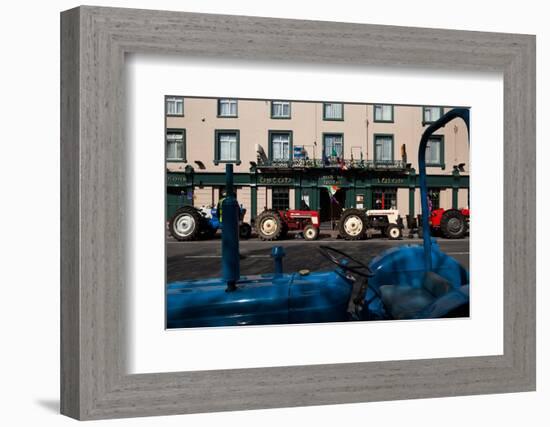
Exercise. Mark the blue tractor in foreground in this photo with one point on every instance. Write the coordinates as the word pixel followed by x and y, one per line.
pixel 405 282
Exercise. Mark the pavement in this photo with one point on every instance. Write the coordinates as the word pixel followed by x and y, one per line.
pixel 202 259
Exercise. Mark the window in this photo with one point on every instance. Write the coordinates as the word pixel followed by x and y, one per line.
pixel 174 106
pixel 333 111
pixel 431 114
pixel 433 198
pixel 279 198
pixel 434 151
pixel 175 145
pixel 280 145
pixel 383 148
pixel 280 109
pixel 333 144
pixel 383 113
pixel 384 198
pixel 226 149
pixel 227 108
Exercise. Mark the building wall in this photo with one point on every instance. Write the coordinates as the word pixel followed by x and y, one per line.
pixel 307 124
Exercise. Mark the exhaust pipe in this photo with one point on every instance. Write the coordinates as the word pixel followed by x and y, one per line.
pixel 230 233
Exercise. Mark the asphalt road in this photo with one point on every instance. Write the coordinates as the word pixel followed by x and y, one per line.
pixel 202 259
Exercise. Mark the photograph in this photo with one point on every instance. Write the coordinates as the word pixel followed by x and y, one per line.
pixel 281 211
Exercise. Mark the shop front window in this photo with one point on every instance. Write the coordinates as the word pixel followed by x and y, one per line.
pixel 279 198
pixel 384 198
pixel 434 198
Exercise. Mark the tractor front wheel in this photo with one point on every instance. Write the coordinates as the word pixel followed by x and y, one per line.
pixel 245 231
pixel 185 224
pixel 453 224
pixel 311 232
pixel 393 232
pixel 269 225
pixel 353 224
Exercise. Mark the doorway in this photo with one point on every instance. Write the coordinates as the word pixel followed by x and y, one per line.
pixel 331 206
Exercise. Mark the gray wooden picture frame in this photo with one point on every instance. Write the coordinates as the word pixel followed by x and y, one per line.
pixel 94 41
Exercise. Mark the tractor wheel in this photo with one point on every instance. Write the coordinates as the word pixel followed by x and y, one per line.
pixel 393 232
pixel 311 232
pixel 209 233
pixel 269 225
pixel 185 224
pixel 353 224
pixel 245 231
pixel 453 224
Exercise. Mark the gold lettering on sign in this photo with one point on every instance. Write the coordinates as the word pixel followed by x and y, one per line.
pixel 390 180
pixel 274 180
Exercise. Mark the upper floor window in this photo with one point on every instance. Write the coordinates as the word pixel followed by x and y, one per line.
pixel 333 144
pixel 175 145
pixel 227 108
pixel 226 149
pixel 431 114
pixel 280 145
pixel 434 151
pixel 174 106
pixel 280 109
pixel 383 113
pixel 333 111
pixel 383 148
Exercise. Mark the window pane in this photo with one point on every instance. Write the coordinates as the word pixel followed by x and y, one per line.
pixel 384 198
pixel 227 146
pixel 333 111
pixel 279 198
pixel 175 145
pixel 433 151
pixel 280 146
pixel 431 114
pixel 174 106
pixel 280 109
pixel 333 145
pixel 227 107
pixel 383 113
pixel 383 148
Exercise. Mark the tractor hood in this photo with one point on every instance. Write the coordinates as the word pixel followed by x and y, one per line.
pixel 258 300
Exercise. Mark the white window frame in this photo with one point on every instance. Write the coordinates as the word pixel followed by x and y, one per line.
pixel 383 108
pixel 326 116
pixel 182 141
pixel 230 102
pixel 431 108
pixel 177 100
pixel 282 105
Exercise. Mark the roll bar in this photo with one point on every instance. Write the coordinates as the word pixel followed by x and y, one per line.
pixel 464 114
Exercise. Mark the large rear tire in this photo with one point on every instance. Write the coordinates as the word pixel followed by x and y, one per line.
pixel 353 224
pixel 185 224
pixel 269 225
pixel 453 224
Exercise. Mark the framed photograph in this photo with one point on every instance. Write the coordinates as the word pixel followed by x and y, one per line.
pixel 262 213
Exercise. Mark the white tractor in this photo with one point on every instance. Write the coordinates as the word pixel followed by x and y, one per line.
pixel 354 223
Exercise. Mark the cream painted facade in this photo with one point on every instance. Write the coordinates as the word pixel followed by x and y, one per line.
pixel 358 127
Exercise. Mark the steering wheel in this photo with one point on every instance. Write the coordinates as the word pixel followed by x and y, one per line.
pixel 353 265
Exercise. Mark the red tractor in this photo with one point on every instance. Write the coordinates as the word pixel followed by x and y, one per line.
pixel 275 225
pixel 450 223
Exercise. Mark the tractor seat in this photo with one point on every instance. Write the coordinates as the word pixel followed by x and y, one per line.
pixel 406 302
